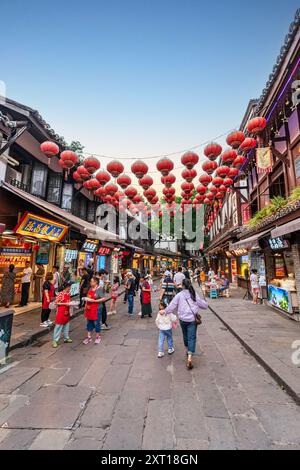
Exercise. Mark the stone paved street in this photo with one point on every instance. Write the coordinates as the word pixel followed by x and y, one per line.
pixel 119 395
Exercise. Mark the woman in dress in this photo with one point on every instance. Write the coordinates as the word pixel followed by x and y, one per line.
pixel 146 297
pixel 8 287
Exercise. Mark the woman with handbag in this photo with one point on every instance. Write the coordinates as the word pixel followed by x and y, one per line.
pixel 187 303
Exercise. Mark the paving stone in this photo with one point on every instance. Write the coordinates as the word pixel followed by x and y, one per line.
pixel 15 377
pixel 84 444
pixel 43 378
pixel 45 417
pixel 14 404
pixel 61 395
pixel 250 435
pixel 191 444
pixel 125 356
pixel 221 434
pixel 4 433
pixel 132 406
pixel 158 433
pixel 90 433
pixel 114 379
pixel 281 422
pixel 99 411
pixel 190 421
pixel 19 439
pixel 213 404
pixel 125 434
pixel 95 373
pixel 51 440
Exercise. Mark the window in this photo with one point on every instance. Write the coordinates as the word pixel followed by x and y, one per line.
pixel 91 212
pixel 67 197
pixel 39 180
pixel 82 208
pixel 254 207
pixel 54 188
pixel 277 188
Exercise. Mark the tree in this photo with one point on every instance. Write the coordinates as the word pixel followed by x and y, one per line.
pixel 78 148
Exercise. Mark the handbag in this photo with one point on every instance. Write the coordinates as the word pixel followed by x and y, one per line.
pixel 198 318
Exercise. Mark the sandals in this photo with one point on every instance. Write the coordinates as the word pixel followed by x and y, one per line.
pixel 189 364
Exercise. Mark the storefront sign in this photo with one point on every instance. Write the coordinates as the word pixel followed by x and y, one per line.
pixel 246 213
pixel 90 246
pixel 71 255
pixel 103 251
pixel 14 251
pixel 264 160
pixel 278 243
pixel 239 252
pixel 42 256
pixel 39 227
pixel 280 298
pixel 75 288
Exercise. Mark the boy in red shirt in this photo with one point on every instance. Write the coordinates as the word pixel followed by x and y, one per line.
pixel 63 317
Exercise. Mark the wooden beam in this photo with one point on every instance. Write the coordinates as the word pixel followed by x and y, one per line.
pixel 13 138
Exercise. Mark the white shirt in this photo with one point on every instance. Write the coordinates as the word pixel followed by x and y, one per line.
pixel 254 281
pixel 164 322
pixel 27 273
pixel 179 278
pixel 56 279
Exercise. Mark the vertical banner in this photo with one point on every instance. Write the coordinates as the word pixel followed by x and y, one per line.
pixel 264 160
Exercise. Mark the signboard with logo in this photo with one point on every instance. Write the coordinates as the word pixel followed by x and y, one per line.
pixel 90 246
pixel 278 243
pixel 104 251
pixel 39 227
pixel 70 255
pixel 264 160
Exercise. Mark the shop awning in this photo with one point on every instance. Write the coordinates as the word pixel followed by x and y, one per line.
pixel 84 227
pixel 247 242
pixel 286 229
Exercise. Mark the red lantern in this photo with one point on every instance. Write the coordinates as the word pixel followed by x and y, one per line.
pixel 69 158
pixel 124 181
pixel 77 177
pixel 164 166
pixel 239 161
pixel 103 177
pixel 223 171
pixel 169 192
pixel 219 195
pixel 91 164
pixel 209 167
pixel 168 180
pixel 214 190
pixel 228 182
pixel 150 194
pixel 187 187
pixel 146 182
pixel 139 169
pixel 101 192
pixel 154 200
pixel 137 199
pixel 223 188
pixel 84 174
pixel 186 202
pixel 115 168
pixel 131 192
pixel 190 159
pixel 205 179
pixel 92 185
pixel 186 195
pixel 233 173
pixel 256 125
pixel 189 175
pixel 235 139
pixel 217 182
pixel 111 189
pixel 50 149
pixel 210 196
pixel 213 151
pixel 36 247
pixel 207 201
pixel 248 145
pixel 228 157
pixel 200 197
pixel 201 189
pixel 63 165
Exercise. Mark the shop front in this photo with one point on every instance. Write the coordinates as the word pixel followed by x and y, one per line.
pixel 34 239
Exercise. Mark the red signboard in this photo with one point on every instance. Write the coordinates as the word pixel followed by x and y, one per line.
pixel 103 251
pixel 246 213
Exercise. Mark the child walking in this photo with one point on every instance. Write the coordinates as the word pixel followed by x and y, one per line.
pixel 63 317
pixel 114 296
pixel 165 324
pixel 92 312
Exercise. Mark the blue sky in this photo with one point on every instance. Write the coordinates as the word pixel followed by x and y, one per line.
pixel 135 78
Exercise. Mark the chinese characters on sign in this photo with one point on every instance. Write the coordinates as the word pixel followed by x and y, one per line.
pixel 39 227
pixel 104 251
pixel 278 243
pixel 90 246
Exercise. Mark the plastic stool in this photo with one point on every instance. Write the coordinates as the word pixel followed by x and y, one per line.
pixel 213 294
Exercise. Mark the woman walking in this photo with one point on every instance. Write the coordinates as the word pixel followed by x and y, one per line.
pixel 48 297
pixel 187 304
pixel 8 287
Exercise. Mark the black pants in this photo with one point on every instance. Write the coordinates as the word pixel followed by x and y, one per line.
pixel 45 314
pixel 25 293
pixel 103 314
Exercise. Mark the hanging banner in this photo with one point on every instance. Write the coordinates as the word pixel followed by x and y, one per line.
pixel 264 160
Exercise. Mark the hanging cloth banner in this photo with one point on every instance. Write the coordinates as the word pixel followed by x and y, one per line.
pixel 264 160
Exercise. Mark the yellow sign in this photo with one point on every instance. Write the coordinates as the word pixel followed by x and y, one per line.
pixel 264 160
pixel 39 227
